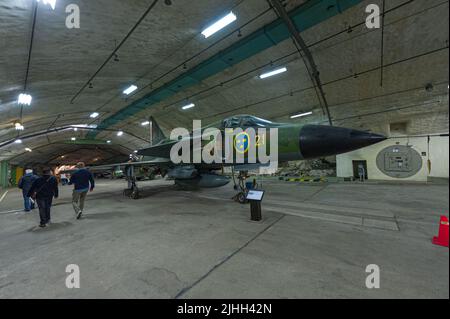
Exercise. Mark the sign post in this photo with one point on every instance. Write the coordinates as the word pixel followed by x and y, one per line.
pixel 255 198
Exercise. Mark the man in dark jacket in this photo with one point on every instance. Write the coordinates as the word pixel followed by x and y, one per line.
pixel 45 188
pixel 83 182
pixel 25 183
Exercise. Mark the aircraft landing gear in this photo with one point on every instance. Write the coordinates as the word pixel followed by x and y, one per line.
pixel 133 190
pixel 241 197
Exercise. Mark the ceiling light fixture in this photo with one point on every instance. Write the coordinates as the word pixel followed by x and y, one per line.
pixel 272 73
pixel 301 115
pixel 73 139
pixel 219 25
pixel 94 115
pixel 189 106
pixel 28 150
pixel 120 133
pixel 18 126
pixel 85 126
pixel 108 142
pixel 130 89
pixel 24 99
pixel 145 123
pixel 18 141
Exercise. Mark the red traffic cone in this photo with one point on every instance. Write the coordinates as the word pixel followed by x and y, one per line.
pixel 442 238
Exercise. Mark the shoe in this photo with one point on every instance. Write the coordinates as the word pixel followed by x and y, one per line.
pixel 42 225
pixel 79 215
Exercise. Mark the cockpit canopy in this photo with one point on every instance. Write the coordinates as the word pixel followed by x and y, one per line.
pixel 244 121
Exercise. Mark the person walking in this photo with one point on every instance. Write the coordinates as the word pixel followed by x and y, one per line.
pixel 25 183
pixel 83 182
pixel 43 190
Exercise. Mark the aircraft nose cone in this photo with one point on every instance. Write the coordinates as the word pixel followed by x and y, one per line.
pixel 320 141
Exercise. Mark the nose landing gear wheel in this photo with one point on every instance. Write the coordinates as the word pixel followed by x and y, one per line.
pixel 241 198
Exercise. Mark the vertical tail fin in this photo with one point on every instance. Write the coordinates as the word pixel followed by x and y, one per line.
pixel 157 135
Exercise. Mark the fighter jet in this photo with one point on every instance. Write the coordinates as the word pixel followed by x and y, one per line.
pixel 295 142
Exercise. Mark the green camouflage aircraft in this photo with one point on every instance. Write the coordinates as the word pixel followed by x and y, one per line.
pixel 295 142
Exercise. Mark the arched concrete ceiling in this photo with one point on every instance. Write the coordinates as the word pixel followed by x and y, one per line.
pixel 62 60
pixel 59 153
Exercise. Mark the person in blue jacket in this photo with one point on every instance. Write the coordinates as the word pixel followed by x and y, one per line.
pixel 25 183
pixel 83 182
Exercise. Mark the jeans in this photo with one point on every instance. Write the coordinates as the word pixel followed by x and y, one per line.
pixel 78 199
pixel 28 204
pixel 44 205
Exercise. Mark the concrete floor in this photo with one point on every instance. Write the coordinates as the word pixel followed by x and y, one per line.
pixel 315 242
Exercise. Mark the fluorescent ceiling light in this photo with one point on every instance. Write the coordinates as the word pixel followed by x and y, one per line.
pixel 109 142
pixel 135 151
pixel 24 99
pixel 73 138
pixel 52 3
pixel 19 126
pixel 28 149
pixel 94 115
pixel 301 115
pixel 76 127
pixel 272 73
pixel 120 133
pixel 145 123
pixel 18 141
pixel 219 25
pixel 189 106
pixel 130 90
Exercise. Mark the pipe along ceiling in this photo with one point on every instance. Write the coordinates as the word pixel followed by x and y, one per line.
pixel 304 17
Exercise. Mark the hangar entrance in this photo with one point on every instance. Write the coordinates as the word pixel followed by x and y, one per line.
pixel 355 169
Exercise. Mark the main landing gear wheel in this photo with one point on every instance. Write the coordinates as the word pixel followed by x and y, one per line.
pixel 135 193
pixel 132 192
